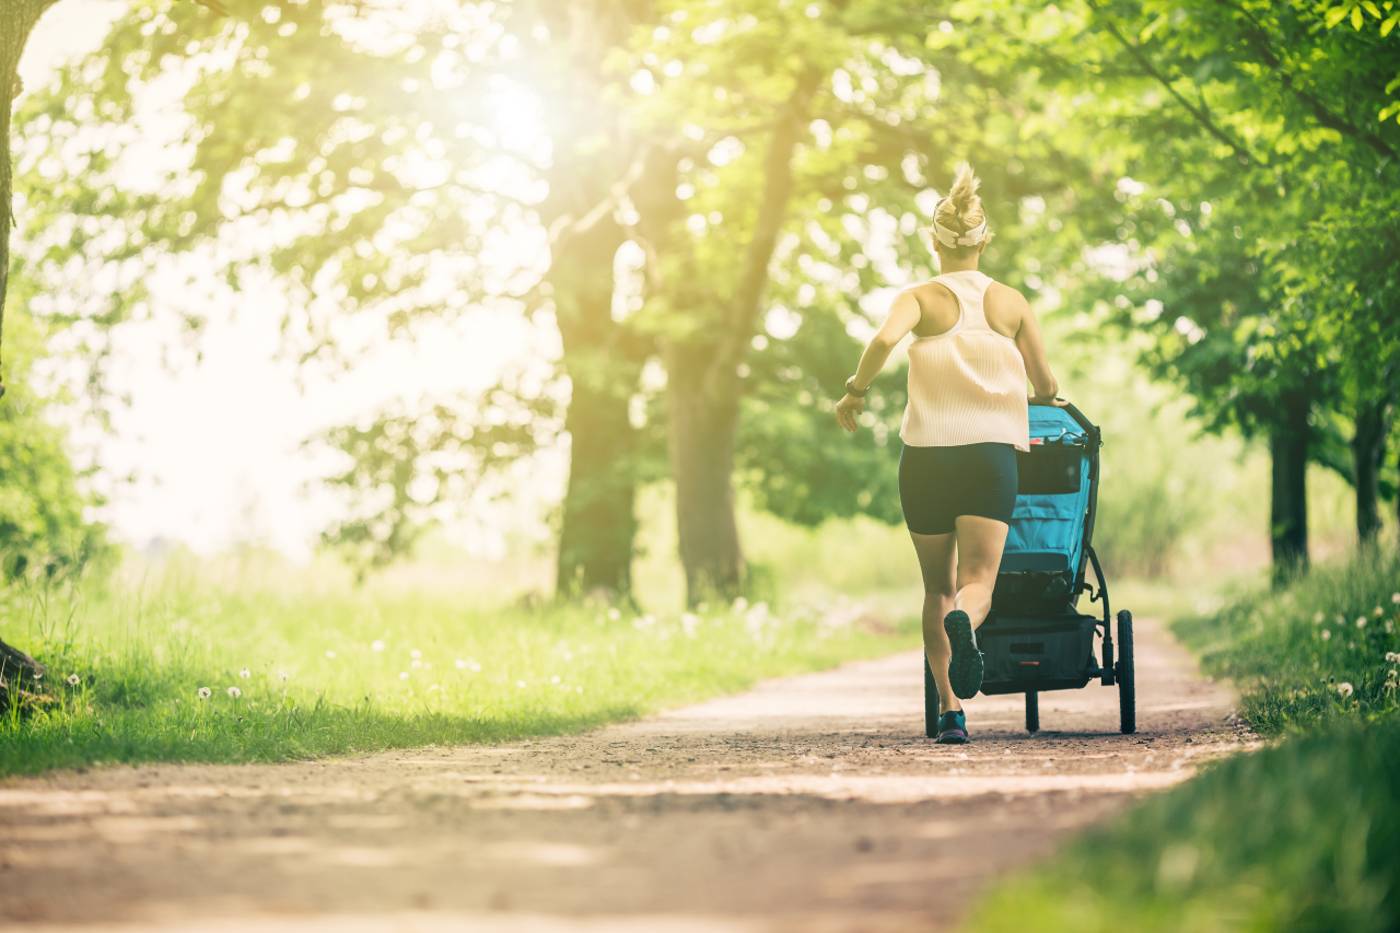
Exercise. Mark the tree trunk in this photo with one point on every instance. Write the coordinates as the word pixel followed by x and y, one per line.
pixel 703 427
pixel 17 19
pixel 704 387
pixel 1288 513
pixel 1367 454
pixel 599 522
pixel 599 511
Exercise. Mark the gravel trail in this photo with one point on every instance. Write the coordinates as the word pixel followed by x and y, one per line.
pixel 811 803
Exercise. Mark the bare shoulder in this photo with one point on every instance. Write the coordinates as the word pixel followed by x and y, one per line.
pixel 1006 308
pixel 1006 296
pixel 938 308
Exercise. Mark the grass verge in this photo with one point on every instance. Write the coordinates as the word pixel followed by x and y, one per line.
pixel 1301 835
pixel 194 666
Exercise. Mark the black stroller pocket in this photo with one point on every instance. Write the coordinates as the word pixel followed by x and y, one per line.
pixel 1037 653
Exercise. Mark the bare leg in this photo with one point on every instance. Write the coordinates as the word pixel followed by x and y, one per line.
pixel 937 556
pixel 979 542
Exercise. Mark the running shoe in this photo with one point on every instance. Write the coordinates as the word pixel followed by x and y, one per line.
pixel 952 728
pixel 965 667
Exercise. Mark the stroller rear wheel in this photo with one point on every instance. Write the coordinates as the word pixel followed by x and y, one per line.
pixel 930 702
pixel 1127 682
pixel 1032 711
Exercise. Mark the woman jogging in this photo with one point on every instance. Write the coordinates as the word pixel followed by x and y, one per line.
pixel 975 342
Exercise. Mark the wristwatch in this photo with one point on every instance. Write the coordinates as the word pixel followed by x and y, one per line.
pixel 852 390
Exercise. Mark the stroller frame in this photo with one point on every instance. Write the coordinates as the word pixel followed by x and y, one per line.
pixel 1035 641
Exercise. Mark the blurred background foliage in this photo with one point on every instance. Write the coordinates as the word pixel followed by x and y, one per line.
pixel 710 204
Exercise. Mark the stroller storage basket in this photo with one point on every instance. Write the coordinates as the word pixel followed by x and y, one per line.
pixel 1049 652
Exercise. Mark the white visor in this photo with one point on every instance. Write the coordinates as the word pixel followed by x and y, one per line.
pixel 952 238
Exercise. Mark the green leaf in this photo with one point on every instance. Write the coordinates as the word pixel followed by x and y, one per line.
pixel 1356 18
pixel 1388 25
pixel 1335 16
pixel 1371 8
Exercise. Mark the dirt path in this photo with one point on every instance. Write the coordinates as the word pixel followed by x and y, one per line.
pixel 812 803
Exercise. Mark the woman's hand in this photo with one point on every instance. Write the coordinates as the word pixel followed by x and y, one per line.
pixel 847 409
pixel 1054 400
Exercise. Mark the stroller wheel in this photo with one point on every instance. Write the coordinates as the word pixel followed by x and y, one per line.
pixel 1127 682
pixel 1032 711
pixel 930 702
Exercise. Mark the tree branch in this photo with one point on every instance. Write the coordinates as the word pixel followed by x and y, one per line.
pixel 1201 114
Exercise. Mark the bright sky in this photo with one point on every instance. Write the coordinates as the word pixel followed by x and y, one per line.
pixel 214 443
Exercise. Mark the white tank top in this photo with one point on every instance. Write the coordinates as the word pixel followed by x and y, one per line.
pixel 967 385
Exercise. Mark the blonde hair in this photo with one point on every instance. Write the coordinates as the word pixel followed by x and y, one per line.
pixel 961 210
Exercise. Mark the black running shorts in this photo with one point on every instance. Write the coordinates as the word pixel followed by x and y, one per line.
pixel 937 484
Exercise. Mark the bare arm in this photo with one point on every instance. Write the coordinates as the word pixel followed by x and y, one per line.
pixel 1032 346
pixel 904 314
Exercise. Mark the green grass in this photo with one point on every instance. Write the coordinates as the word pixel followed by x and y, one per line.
pixel 322 668
pixel 1302 835
pixel 1318 651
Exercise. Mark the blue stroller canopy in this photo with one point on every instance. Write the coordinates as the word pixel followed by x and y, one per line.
pixel 1048 522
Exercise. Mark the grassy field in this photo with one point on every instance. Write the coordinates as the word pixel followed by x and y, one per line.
pixel 1299 836
pixel 258 660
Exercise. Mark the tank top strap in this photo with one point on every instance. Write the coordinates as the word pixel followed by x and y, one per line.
pixel 970 288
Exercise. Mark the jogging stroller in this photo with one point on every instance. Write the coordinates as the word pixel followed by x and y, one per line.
pixel 1035 637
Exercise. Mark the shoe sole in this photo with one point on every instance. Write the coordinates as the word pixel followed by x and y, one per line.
pixel 966 667
pixel 951 740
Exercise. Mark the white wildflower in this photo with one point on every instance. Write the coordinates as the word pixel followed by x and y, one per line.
pixel 520 684
pixel 1326 634
pixel 403 675
pixel 1361 622
pixel 1395 598
pixel 1345 689
pixel 245 673
pixel 282 676
pixel 1392 656
pixel 330 653
pixel 74 680
pixel 376 645
pixel 1378 612
pixel 461 665
pixel 204 693
pixel 1317 619
pixel 555 679
pixel 415 654
pixel 234 692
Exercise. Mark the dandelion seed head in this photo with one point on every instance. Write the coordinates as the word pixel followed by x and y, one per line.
pixel 614 613
pixel 1326 634
pixel 1361 622
pixel 415 654
pixel 1395 599
pixel 376 645
pixel 403 675
pixel 520 684
pixel 234 692
pixel 1345 689
pixel 330 653
pixel 204 693
pixel 1317 619
pixel 245 673
pixel 460 664
pixel 282 676
pixel 555 679
pixel 1378 612
pixel 74 680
